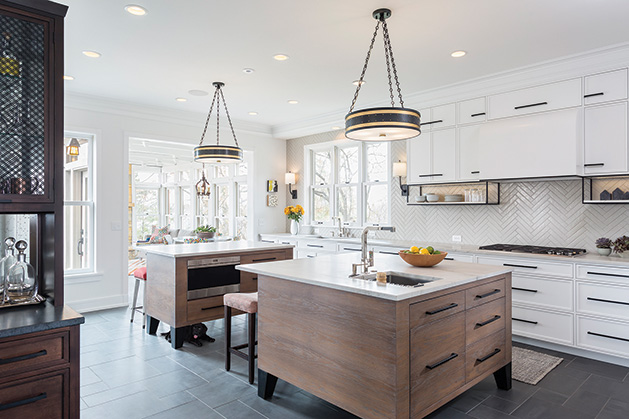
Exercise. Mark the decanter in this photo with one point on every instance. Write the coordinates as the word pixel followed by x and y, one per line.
pixel 7 261
pixel 21 284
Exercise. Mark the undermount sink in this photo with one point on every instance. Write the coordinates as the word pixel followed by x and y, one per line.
pixel 400 278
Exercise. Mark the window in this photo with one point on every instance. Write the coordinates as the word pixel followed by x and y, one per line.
pixel 146 201
pixel 79 207
pixel 348 180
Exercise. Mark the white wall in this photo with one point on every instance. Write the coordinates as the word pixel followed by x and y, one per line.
pixel 113 123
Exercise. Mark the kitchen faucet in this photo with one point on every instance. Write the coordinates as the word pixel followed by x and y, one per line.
pixel 341 231
pixel 366 257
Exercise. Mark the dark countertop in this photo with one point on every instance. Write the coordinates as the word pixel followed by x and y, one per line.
pixel 15 321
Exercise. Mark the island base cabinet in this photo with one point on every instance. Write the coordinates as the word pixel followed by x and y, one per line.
pixel 40 397
pixel 486 356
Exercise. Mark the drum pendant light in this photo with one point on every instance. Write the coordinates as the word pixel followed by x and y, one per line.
pixel 218 153
pixel 386 123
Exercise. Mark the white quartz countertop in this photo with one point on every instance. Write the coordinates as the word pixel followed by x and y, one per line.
pixel 332 271
pixel 216 248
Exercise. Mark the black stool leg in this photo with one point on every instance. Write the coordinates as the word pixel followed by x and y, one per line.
pixel 228 337
pixel 251 317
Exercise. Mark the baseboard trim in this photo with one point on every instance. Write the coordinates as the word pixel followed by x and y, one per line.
pixel 102 303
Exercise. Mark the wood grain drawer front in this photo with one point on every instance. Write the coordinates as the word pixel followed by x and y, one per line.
pixel 603 300
pixel 486 355
pixel 436 308
pixel 543 325
pixel 36 398
pixel 205 308
pixel 484 320
pixel 437 361
pixel 484 293
pixel 603 336
pixel 248 282
pixel 550 293
pixel 262 257
pixel 530 266
pixel 19 355
pixel 603 273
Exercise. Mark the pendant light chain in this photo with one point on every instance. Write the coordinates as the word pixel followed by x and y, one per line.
pixel 386 56
pixel 218 118
pixel 387 40
pixel 229 119
pixel 362 74
pixel 207 121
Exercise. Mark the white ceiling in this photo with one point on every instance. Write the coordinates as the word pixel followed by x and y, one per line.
pixel 183 45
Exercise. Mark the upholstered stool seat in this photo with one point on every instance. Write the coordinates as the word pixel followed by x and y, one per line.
pixel 140 275
pixel 247 302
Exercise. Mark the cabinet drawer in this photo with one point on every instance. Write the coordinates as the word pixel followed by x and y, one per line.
pixel 551 293
pixel 459 257
pixel 472 110
pixel 605 87
pixel 484 293
pixel 248 282
pixel 484 320
pixel 25 354
pixel 603 273
pixel 486 355
pixel 543 325
pixel 441 117
pixel 530 266
pixel 40 397
pixel 436 308
pixel 603 300
pixel 205 308
pixel 543 98
pixel 603 335
pixel 315 245
pixel 437 361
pixel 262 257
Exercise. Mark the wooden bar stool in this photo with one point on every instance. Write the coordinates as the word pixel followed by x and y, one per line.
pixel 247 302
pixel 140 275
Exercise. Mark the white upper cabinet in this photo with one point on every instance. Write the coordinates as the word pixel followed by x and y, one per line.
pixel 418 159
pixel 472 110
pixel 443 156
pixel 605 87
pixel 469 164
pixel 543 98
pixel 605 139
pixel 443 116
pixel 424 117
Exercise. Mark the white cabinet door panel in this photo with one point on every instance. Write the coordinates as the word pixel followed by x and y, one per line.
pixel 549 293
pixel 605 87
pixel 418 159
pixel 603 336
pixel 469 165
pixel 603 273
pixel 443 156
pixel 606 139
pixel 603 300
pixel 472 110
pixel 543 325
pixel 530 266
pixel 460 257
pixel 443 116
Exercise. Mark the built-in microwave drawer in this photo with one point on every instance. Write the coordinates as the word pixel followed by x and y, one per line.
pixel 603 273
pixel 529 266
pixel 25 354
pixel 543 325
pixel 545 292
pixel 603 300
pixel 603 335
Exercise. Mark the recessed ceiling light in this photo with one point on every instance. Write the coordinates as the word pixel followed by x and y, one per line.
pixel 280 57
pixel 458 54
pixel 195 92
pixel 68 78
pixel 136 10
pixel 248 70
pixel 91 54
pixel 181 99
pixel 253 113
pixel 335 128
pixel 293 102
pixel 357 82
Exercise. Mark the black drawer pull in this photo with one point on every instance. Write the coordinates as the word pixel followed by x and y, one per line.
pixel 255 278
pixel 383 252
pixel 531 105
pixel 437 174
pixel 475 172
pixel 207 308
pixel 593 164
pixel 315 245
pixel 608 336
pixel 443 361
pixel 23 357
pixel 608 301
pixel 432 122
pixel 594 94
pixel 448 258
pixel 512 265
pixel 486 357
pixel 267 241
pixel 285 242
pixel 477 114
pixel 523 321
pixel 424 175
pixel 23 402
pixel 523 289
pixel 486 322
pixel 606 274
pixel 439 310
pixel 310 256
pixel 496 291
pixel 264 259
pixel 5 201
pixel 350 248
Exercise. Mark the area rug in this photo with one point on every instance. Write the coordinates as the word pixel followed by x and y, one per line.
pixel 530 367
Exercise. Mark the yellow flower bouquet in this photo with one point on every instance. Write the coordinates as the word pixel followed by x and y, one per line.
pixel 294 212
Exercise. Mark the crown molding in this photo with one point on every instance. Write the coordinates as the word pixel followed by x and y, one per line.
pixel 595 61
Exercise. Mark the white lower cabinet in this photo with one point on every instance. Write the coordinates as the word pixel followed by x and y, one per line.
pixel 544 292
pixel 603 335
pixel 544 325
pixel 459 257
pixel 603 300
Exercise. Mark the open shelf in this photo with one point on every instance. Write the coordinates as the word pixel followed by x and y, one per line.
pixel 603 189
pixel 487 192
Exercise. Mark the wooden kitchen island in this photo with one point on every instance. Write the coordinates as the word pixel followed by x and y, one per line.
pixel 382 351
pixel 186 282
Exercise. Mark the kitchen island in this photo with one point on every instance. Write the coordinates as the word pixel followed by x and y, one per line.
pixel 382 351
pixel 186 282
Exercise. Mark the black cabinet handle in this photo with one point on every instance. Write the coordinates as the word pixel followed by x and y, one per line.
pixel 314 245
pixel 608 301
pixel 486 322
pixel 264 259
pixel 448 258
pixel 255 278
pixel 349 248
pixel 5 201
pixel 439 310
pixel 443 361
pixel 523 321
pixel 606 274
pixel 486 357
pixel 310 256
pixel 608 336
pixel 594 94
pixel 477 114
pixel 207 308
pixel 519 266
pixel 496 291
pixel 285 242
pixel 475 172
pixel 432 174
pixel 424 175
pixel 267 241
pixel 22 357
pixel 431 122
pixel 22 402
pixel 383 252
pixel 593 164
pixel 531 105
pixel 523 289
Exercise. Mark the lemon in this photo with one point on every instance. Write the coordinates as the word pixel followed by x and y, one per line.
pixel 414 249
pixel 424 252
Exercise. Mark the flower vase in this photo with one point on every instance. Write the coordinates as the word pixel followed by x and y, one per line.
pixel 294 227
pixel 604 251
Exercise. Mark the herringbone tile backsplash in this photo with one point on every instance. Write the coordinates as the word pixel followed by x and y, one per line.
pixel 548 213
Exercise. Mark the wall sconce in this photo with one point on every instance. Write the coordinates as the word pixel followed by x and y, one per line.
pixel 291 179
pixel 73 148
pixel 399 170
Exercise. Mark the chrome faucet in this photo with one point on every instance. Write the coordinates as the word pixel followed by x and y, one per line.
pixel 341 231
pixel 366 257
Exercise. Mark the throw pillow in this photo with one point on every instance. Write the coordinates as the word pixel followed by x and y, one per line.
pixel 158 235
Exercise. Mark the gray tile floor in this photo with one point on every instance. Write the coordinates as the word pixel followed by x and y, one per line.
pixel 126 373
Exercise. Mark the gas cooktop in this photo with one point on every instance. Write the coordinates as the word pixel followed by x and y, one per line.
pixel 521 248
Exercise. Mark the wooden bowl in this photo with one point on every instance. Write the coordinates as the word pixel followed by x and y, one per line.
pixel 422 260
